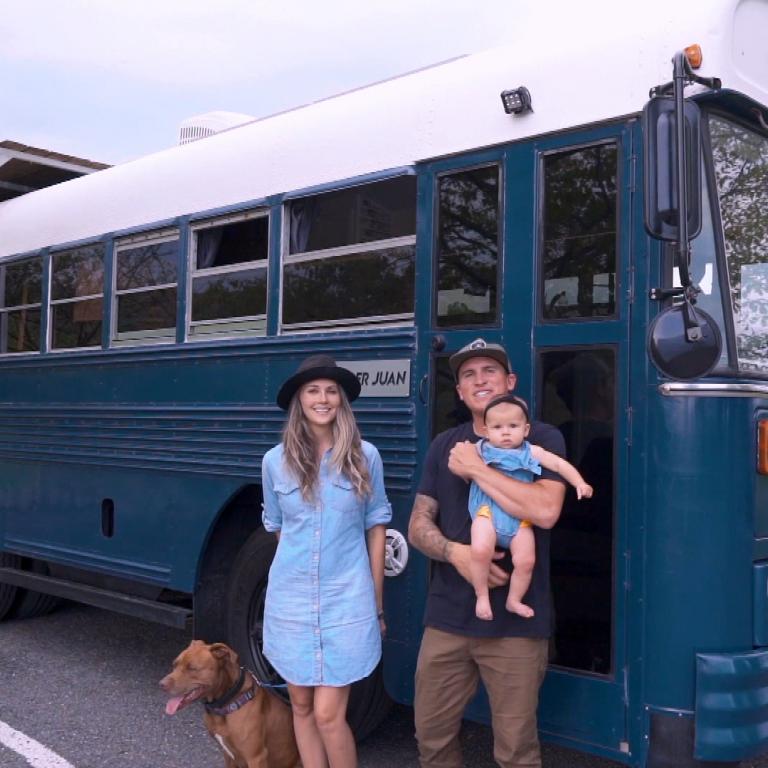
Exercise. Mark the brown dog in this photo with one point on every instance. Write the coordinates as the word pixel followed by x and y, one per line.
pixel 253 727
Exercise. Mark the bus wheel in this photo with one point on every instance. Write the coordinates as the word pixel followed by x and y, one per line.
pixel 7 591
pixel 30 604
pixel 368 702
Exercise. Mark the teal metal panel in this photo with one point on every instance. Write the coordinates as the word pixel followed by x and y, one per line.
pixel 759 482
pixel 698 566
pixel 731 705
pixel 760 602
pixel 169 435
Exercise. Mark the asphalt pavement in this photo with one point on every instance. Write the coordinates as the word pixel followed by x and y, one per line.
pixel 83 684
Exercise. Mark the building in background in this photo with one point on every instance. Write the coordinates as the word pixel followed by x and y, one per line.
pixel 25 169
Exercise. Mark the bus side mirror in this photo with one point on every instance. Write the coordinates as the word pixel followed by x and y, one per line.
pixel 660 168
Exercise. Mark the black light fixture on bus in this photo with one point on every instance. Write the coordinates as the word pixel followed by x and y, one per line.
pixel 517 101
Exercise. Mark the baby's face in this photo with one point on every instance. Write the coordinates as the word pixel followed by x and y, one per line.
pixel 506 425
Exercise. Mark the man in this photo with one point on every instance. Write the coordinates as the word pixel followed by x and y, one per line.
pixel 509 653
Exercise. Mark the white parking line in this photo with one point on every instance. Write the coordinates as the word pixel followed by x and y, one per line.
pixel 32 751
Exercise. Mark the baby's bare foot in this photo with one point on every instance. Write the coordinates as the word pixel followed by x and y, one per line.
pixel 483 609
pixel 521 609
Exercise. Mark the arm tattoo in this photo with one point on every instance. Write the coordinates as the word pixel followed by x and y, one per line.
pixel 423 532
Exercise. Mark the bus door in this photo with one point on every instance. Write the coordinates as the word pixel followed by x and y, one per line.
pixel 530 248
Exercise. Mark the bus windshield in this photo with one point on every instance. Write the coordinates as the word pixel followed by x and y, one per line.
pixel 740 159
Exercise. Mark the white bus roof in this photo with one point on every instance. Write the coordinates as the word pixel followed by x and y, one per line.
pixel 451 107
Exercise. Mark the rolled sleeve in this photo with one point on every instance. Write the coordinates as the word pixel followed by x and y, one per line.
pixel 272 514
pixel 378 510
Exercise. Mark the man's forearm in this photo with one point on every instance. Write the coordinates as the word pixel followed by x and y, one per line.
pixel 539 502
pixel 423 532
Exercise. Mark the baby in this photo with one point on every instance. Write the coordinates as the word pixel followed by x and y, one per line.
pixel 507 424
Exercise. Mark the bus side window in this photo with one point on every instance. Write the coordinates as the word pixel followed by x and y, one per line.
pixel 20 305
pixel 351 256
pixel 77 295
pixel 468 247
pixel 229 275
pixel 580 233
pixel 145 287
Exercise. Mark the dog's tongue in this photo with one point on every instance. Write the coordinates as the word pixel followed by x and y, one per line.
pixel 173 704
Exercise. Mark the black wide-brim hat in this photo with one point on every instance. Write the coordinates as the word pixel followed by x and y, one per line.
pixel 318 367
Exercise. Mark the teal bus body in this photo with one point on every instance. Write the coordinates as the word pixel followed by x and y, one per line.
pixel 134 467
pixel 174 434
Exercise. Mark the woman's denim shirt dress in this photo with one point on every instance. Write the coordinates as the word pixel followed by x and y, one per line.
pixel 320 617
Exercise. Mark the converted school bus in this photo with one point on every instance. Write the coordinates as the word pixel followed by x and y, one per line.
pixel 149 312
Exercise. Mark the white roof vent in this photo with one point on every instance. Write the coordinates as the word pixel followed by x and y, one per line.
pixel 200 126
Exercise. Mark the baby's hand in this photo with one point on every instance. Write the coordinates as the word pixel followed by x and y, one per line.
pixel 584 491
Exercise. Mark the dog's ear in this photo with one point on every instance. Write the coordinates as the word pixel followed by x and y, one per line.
pixel 223 652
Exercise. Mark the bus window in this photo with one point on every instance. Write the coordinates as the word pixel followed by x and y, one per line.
pixel 351 255
pixel 578 397
pixel 579 238
pixel 146 274
pixel 20 303
pixel 741 171
pixel 229 275
pixel 77 292
pixel 468 247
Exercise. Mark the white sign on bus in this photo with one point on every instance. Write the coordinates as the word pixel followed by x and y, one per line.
pixel 381 378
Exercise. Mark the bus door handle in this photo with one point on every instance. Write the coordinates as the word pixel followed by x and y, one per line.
pixel 423 388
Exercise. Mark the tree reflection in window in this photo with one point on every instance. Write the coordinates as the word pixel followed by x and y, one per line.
pixel 359 285
pixel 579 248
pixel 741 169
pixel 229 276
pixel 233 294
pixel 77 287
pixel 20 301
pixel 146 287
pixel 468 247
pixel 350 256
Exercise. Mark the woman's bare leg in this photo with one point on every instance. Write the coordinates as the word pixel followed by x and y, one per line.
pixel 308 738
pixel 331 719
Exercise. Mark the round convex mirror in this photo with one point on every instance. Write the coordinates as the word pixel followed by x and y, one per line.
pixel 672 353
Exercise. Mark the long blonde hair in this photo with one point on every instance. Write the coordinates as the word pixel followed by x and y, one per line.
pixel 347 456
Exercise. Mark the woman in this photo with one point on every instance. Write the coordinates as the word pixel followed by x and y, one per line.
pixel 324 498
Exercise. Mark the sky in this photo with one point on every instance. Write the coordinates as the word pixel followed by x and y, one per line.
pixel 111 80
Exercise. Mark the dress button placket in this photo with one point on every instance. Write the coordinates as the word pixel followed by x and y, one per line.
pixel 315 571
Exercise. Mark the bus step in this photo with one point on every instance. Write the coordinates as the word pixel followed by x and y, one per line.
pixel 141 608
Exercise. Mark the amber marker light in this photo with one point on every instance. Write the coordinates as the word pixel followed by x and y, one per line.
pixel 694 55
pixel 762 447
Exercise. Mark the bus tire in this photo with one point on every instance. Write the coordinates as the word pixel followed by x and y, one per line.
pixel 8 592
pixel 368 701
pixel 30 604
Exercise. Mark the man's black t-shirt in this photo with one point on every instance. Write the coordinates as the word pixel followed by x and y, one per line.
pixel 451 599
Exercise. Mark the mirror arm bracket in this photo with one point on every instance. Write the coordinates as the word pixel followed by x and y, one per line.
pixel 688 292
